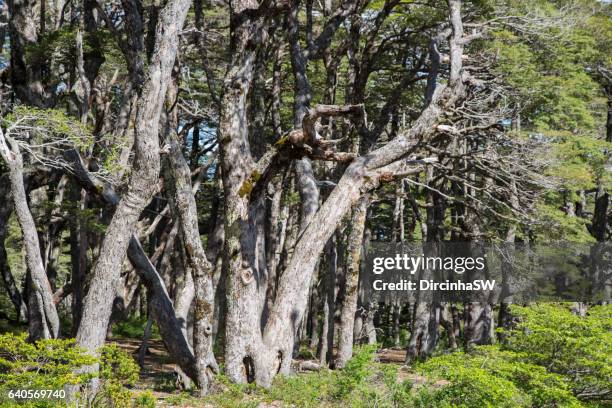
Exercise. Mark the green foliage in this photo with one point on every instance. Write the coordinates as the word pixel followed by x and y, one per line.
pixel 355 372
pixel 577 348
pixel 489 377
pixel 46 364
pixel 580 161
pixel 51 126
pixel 118 370
pixel 545 70
pixel 362 383
pixel 555 225
pixel 133 328
pixel 116 364
pixel 145 400
pixel 552 358
pixel 54 364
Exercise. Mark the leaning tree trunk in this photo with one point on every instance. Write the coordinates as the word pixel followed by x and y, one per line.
pixel 43 318
pixel 202 269
pixel 143 179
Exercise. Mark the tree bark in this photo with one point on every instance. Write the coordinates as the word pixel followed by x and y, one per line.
pixel 23 33
pixel 8 279
pixel 143 179
pixel 197 261
pixel 349 303
pixel 248 355
pixel 43 318
pixel 160 304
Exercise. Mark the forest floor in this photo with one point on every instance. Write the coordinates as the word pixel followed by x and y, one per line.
pixel 158 375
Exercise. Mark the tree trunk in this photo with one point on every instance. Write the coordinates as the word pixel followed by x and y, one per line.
pixel 21 308
pixel 23 33
pixel 243 251
pixel 326 349
pixel 397 313
pixel 599 224
pixel 162 311
pixel 44 320
pixel 79 242
pixel 478 311
pixel 143 179
pixel 160 304
pixel 197 262
pixel 248 355
pixel 349 303
pixel 508 272
pixel 426 315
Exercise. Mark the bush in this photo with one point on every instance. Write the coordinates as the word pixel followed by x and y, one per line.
pixel 357 369
pixel 145 400
pixel 46 364
pixel 363 383
pixel 552 358
pixel 53 364
pixel 575 347
pixel 118 370
pixel 489 377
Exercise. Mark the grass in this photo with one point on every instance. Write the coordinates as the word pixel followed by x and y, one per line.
pixel 363 383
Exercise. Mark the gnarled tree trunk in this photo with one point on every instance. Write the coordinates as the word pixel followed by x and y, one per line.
pixel 143 179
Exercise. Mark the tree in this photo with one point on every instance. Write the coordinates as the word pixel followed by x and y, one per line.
pixel 143 179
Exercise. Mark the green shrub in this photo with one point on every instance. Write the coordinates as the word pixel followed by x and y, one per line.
pixel 53 364
pixel 118 370
pixel 577 348
pixel 552 358
pixel 491 377
pixel 118 365
pixel 145 399
pixel 363 383
pixel 44 364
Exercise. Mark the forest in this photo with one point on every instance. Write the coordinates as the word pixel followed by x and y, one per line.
pixel 193 191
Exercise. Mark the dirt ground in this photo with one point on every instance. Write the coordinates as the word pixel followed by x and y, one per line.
pixel 159 373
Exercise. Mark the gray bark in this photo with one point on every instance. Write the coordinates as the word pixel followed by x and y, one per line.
pixel 326 347
pixel 426 314
pixel 349 303
pixel 79 242
pixel 44 320
pixel 197 262
pixel 249 355
pixel 23 33
pixel 161 308
pixel 143 179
